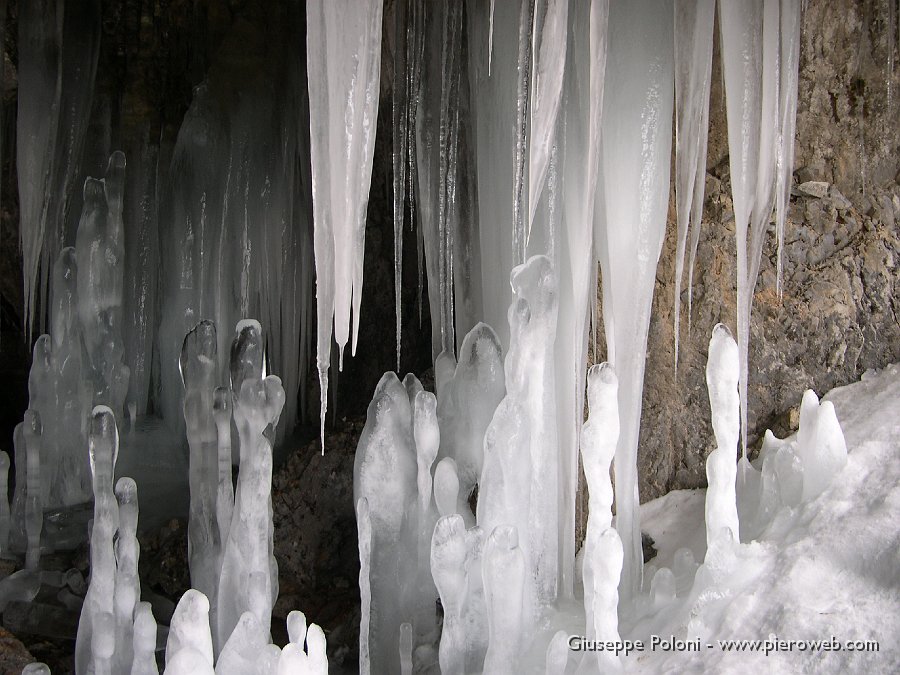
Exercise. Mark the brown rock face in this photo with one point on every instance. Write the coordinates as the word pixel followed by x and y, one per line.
pixel 838 313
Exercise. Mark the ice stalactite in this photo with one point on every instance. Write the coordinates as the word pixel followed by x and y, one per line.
pixel 789 59
pixel 722 371
pixel 141 270
pixel 198 371
pixel 343 62
pixel 637 114
pixel 494 77
pixel 693 69
pixel 80 50
pixel 574 261
pixel 248 551
pixel 549 47
pixel 100 598
pixel 40 42
pixel 757 84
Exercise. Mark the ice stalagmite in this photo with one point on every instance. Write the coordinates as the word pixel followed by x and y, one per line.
pixel 73 393
pixel 225 487
pixel 4 503
pixel 198 371
pixel 364 527
pixel 384 485
pixel 100 598
pixel 144 643
pixel 39 43
pixel 248 550
pixel 575 262
pixel 343 60
pixel 722 369
pixel 448 556
pixel 34 497
pixel 505 571
pixel 189 634
pixel 127 583
pixel 518 485
pixel 693 69
pixel 598 446
pixel 637 136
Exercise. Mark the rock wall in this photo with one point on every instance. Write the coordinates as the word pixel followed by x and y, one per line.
pixel 838 315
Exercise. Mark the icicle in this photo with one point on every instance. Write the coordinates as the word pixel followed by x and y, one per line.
pixel 400 120
pixel 693 70
pixel 550 29
pixel 40 37
pixel 636 152
pixel 790 62
pixel 343 62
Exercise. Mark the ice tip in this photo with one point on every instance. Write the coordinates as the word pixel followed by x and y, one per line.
pixel 116 160
pixel 126 490
pixel 603 373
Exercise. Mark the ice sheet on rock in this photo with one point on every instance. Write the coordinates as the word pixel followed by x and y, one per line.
pixel 384 476
pixel 636 152
pixel 693 70
pixel 343 61
pixel 258 402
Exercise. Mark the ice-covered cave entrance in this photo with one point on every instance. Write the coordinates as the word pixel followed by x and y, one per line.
pixel 531 144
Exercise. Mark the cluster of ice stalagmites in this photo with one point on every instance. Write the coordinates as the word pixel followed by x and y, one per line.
pixel 230 539
pixel 489 427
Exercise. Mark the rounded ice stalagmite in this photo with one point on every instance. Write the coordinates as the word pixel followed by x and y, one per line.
pixel 144 641
pixel 504 573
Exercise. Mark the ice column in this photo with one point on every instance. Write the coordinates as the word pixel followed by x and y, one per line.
pixel 384 485
pixel 100 598
pixel 248 550
pixel 198 372
pixel 34 502
pixel 344 64
pixel 599 436
pixel 722 370
pixel 693 70
pixel 128 585
pixel 636 153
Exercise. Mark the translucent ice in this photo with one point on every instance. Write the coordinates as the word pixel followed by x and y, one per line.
pixel 144 641
pixel 198 371
pixel 127 584
pixel 189 630
pixel 637 136
pixel 504 570
pixel 344 63
pixel 248 550
pixel 34 500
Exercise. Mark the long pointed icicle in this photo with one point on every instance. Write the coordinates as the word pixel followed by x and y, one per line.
pixel 344 65
pixel 693 69
pixel 637 138
pixel 790 62
pixel 400 154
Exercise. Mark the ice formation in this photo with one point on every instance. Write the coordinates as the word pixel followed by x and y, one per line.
pixel 344 63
